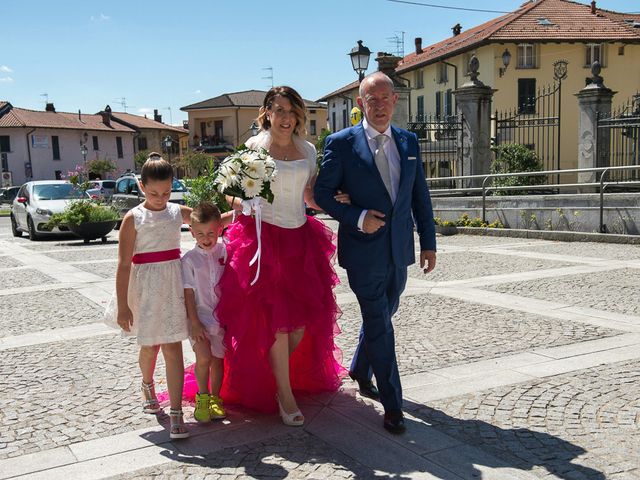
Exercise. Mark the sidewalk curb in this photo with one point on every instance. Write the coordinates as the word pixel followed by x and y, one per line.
pixel 561 236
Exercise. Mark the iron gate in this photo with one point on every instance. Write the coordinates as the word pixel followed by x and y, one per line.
pixel 535 123
pixel 440 140
pixel 618 139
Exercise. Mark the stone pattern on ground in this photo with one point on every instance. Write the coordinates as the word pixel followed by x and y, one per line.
pixel 594 250
pixel 38 311
pixel 103 269
pixel 464 265
pixel 435 332
pixel 296 456
pixel 615 291
pixel 24 277
pixel 70 392
pixel 81 255
pixel 7 261
pixel 585 425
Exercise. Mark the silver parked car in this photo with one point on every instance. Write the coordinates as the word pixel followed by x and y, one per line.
pixel 102 189
pixel 36 202
pixel 128 193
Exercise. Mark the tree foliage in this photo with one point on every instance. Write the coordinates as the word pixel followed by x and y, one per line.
pixel 101 166
pixel 197 162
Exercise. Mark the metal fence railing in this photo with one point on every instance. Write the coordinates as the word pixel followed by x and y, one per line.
pixel 484 188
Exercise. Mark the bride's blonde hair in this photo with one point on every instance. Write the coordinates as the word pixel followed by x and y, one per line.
pixel 297 107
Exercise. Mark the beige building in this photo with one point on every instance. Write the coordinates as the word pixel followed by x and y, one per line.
pixel 151 134
pixel 228 119
pixel 517 53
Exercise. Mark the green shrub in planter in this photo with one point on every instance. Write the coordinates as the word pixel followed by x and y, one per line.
pixel 514 158
pixel 83 211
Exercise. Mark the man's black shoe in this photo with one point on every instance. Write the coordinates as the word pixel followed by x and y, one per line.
pixel 394 422
pixel 366 387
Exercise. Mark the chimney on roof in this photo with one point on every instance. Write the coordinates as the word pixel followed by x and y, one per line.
pixel 593 7
pixel 387 63
pixel 156 116
pixel 418 45
pixel 106 116
pixel 49 108
pixel 457 28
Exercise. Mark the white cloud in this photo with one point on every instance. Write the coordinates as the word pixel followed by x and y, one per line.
pixel 101 18
pixel 198 91
pixel 145 110
pixel 6 79
pixel 5 69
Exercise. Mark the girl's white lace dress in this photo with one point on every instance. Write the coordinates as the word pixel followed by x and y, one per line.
pixel 156 294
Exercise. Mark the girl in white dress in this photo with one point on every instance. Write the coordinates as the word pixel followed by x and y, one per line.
pixel 149 292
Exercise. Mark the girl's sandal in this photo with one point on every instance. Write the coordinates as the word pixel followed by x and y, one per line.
pixel 177 427
pixel 150 402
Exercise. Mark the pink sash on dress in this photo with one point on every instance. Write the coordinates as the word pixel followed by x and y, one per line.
pixel 156 257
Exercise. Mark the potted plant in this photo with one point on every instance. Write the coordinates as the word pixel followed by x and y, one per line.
pixel 445 227
pixel 85 218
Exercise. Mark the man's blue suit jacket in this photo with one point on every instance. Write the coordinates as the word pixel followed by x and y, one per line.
pixel 349 166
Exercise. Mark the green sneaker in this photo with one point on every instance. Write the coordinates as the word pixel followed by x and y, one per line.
pixel 216 410
pixel 202 413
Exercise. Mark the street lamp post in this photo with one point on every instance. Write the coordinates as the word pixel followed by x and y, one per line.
pixel 168 142
pixel 84 151
pixel 360 59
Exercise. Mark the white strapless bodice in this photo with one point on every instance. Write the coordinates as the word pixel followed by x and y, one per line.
pixel 287 209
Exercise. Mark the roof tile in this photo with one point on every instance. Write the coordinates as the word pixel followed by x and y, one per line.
pixel 570 21
pixel 21 117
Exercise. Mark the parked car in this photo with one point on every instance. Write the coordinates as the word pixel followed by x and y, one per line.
pixel 8 194
pixel 102 189
pixel 128 193
pixel 36 202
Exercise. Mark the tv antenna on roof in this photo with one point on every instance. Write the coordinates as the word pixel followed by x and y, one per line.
pixel 123 103
pixel 397 41
pixel 46 97
pixel 170 116
pixel 270 76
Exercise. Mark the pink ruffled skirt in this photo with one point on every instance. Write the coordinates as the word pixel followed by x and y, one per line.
pixel 294 290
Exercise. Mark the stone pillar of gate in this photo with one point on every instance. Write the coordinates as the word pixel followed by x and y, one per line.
pixel 473 101
pixel 387 64
pixel 593 148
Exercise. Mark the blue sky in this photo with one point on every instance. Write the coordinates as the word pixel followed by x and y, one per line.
pixel 86 54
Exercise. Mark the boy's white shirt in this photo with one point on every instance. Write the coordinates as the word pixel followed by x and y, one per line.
pixel 201 272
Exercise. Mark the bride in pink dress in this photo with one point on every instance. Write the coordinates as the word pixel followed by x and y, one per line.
pixel 280 332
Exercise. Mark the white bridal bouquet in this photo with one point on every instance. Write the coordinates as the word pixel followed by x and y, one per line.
pixel 247 174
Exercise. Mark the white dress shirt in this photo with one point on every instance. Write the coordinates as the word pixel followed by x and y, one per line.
pixel 392 154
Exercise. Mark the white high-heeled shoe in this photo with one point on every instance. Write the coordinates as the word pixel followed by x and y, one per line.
pixel 295 419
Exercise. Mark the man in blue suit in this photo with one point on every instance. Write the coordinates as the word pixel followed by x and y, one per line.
pixel 379 166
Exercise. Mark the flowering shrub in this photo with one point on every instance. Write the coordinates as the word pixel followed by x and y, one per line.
pixel 83 210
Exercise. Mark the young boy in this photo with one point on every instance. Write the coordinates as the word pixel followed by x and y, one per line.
pixel 202 268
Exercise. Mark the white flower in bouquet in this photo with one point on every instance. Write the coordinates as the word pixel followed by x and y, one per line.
pixel 256 169
pixel 251 186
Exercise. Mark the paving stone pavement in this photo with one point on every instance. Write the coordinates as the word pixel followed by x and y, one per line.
pixel 45 310
pixel 520 359
pixel 579 426
pixel 296 455
pixel 615 291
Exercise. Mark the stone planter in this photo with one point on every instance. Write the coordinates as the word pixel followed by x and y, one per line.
pixel 446 230
pixel 93 230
